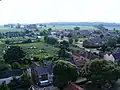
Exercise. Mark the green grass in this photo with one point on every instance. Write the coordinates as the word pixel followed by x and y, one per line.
pixel 83 39
pixel 47 50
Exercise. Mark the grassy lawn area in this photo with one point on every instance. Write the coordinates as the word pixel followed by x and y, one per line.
pixel 83 39
pixel 39 48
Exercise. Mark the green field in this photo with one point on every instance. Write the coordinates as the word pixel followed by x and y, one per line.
pixel 111 28
pixel 68 27
pixel 38 49
pixel 4 29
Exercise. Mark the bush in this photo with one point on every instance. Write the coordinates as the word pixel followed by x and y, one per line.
pixel 101 72
pixel 16 65
pixel 4 67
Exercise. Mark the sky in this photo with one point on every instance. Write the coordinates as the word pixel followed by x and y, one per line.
pixel 40 11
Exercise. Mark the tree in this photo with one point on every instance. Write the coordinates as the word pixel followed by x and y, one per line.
pixel 4 86
pixel 14 84
pixel 16 65
pixel 76 28
pixel 76 39
pixel 101 73
pixel 49 29
pixel 70 41
pixel 7 42
pixel 64 48
pixel 50 40
pixel 63 73
pixel 14 54
pixel 104 48
pixel 27 41
pixel 112 42
pixel 26 80
pixel 63 53
pixel 118 40
pixel 101 36
pixel 4 67
pixel 64 45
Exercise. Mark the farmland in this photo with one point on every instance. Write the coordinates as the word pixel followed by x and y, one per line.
pixel 4 29
pixel 56 28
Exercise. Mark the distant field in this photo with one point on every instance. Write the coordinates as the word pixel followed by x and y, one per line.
pixel 111 28
pixel 4 29
pixel 68 27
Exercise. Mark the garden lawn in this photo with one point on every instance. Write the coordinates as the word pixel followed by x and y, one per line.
pixel 39 48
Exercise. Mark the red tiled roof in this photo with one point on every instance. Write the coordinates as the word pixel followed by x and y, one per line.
pixel 79 60
pixel 73 87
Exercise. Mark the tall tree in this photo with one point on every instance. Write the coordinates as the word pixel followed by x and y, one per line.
pixel 64 45
pixel 14 54
pixel 63 72
pixel 76 28
pixel 64 48
pixel 112 42
pixel 70 41
pixel 26 80
pixel 102 73
pixel 76 40
pixel 118 40
pixel 50 40
pixel 16 65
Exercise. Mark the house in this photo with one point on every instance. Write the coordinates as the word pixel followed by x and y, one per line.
pixel 93 41
pixel 7 76
pixel 84 33
pixel 42 74
pixel 79 60
pixel 109 57
pixel 116 55
pixel 73 86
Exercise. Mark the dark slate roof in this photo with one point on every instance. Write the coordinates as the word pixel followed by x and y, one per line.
pixel 70 60
pixel 11 73
pixel 116 54
pixel 43 69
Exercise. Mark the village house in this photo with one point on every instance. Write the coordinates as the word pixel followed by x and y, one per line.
pixel 7 76
pixel 116 55
pixel 109 57
pixel 79 60
pixel 42 74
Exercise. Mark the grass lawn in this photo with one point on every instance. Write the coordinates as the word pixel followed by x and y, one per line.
pixel 41 49
pixel 83 39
